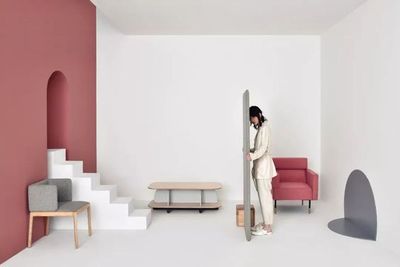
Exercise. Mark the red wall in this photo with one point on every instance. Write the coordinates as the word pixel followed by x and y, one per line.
pixel 37 38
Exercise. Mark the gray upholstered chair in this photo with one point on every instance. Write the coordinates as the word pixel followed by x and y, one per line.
pixel 53 198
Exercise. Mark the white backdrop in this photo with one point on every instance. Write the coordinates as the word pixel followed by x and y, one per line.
pixel 169 107
pixel 360 107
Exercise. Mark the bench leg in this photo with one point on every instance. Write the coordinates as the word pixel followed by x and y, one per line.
pixel 30 230
pixel 75 230
pixel 89 217
pixel 46 225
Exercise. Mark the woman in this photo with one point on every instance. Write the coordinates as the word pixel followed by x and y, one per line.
pixel 263 170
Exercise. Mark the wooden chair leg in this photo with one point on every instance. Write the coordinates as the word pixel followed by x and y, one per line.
pixel 75 230
pixel 302 202
pixel 275 207
pixel 46 225
pixel 309 206
pixel 89 217
pixel 30 230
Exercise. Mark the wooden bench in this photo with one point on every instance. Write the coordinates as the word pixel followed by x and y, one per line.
pixel 185 195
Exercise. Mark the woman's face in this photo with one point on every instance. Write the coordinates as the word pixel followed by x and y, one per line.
pixel 254 120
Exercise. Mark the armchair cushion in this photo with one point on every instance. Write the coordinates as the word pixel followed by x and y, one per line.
pixel 71 206
pixel 292 191
pixel 292 176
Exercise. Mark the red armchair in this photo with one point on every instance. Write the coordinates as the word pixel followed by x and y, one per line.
pixel 294 181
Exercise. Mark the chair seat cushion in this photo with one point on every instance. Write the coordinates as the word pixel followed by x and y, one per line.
pixel 71 206
pixel 292 191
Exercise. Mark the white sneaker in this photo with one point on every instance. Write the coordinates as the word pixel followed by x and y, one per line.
pixel 269 230
pixel 260 231
pixel 257 227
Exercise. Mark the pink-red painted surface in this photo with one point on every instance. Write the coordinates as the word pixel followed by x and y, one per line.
pixel 38 38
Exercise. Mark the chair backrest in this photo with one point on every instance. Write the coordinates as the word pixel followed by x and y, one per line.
pixel 45 195
pixel 64 189
pixel 291 169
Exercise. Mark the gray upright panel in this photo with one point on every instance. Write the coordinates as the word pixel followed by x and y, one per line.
pixel 360 219
pixel 246 164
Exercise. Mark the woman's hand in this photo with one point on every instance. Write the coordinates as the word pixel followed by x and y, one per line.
pixel 248 157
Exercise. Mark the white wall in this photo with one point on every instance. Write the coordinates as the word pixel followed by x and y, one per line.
pixel 360 107
pixel 169 107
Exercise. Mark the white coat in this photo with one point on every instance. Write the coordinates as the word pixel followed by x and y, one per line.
pixel 263 165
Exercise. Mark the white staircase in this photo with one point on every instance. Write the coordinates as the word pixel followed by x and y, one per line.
pixel 108 210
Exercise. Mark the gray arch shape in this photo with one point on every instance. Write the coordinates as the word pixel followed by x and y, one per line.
pixel 360 217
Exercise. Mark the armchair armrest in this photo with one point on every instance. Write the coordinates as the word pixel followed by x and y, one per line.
pixel 42 197
pixel 275 181
pixel 312 181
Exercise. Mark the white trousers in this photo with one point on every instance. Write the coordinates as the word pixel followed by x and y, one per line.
pixel 264 187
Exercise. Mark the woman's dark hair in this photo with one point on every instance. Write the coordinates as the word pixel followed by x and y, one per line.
pixel 256 112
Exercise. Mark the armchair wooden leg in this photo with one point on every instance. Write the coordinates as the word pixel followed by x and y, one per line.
pixel 46 225
pixel 302 202
pixel 89 217
pixel 30 230
pixel 275 207
pixel 309 206
pixel 75 230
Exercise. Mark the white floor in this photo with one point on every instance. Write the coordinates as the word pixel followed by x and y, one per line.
pixel 188 238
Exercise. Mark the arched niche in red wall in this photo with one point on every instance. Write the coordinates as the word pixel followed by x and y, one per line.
pixel 57 111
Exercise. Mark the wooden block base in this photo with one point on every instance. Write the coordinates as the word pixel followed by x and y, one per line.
pixel 240 215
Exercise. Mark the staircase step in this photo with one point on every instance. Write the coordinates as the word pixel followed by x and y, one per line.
pixel 77 166
pixel 125 201
pixel 56 155
pixel 90 174
pixel 111 188
pixel 95 178
pixel 71 162
pixel 140 212
pixel 104 187
pixel 108 210
pixel 122 200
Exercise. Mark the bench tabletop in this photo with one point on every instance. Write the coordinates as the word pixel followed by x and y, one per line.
pixel 185 186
